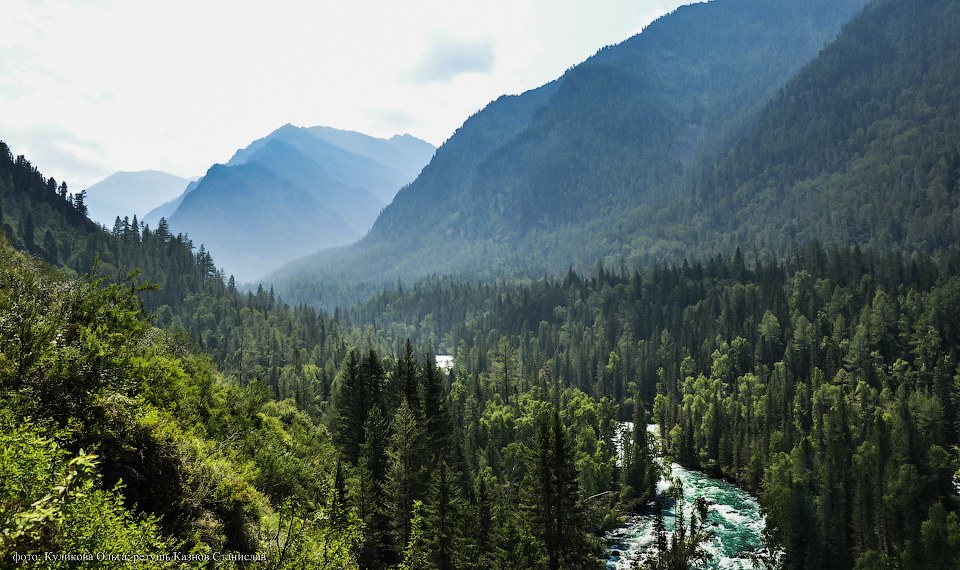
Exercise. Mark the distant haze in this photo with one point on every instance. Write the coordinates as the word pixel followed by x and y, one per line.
pixel 291 193
pixel 91 88
pixel 131 193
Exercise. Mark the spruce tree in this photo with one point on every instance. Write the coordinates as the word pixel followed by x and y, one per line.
pixel 405 471
pixel 640 474
pixel 352 402
pixel 556 488
pixel 28 230
pixel 374 378
pixel 439 423
pixel 444 512
pixel 568 512
pixel 484 515
pixel 375 510
pixel 543 490
pixel 405 377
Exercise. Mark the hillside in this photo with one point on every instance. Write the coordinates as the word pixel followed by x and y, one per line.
pixel 295 191
pixel 563 174
pixel 243 429
pixel 859 148
pixel 118 441
pixel 40 215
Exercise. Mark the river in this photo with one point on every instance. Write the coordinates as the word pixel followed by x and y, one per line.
pixel 733 513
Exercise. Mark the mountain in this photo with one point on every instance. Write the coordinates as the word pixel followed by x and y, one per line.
pixel 594 163
pixel 167 208
pixel 46 221
pixel 356 205
pixel 405 154
pixel 292 192
pixel 230 209
pixel 129 193
pixel 859 148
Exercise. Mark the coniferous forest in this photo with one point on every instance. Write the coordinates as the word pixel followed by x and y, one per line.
pixel 156 413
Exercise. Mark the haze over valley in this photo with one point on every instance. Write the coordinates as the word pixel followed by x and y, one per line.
pixel 688 298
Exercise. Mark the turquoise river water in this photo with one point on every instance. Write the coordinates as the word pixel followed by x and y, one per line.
pixel 736 521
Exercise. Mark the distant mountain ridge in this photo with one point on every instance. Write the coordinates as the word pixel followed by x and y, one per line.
pixel 167 208
pixel 595 164
pixel 354 158
pixel 293 192
pixel 126 194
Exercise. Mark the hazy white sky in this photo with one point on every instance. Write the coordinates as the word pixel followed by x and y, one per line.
pixel 91 87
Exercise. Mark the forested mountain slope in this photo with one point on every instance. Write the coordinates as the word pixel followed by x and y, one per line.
pixel 40 216
pixel 558 175
pixel 861 147
pixel 178 284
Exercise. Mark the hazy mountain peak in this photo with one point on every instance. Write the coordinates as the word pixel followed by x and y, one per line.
pixel 126 193
pixel 336 181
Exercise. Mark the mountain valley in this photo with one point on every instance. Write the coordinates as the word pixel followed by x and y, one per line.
pixel 726 248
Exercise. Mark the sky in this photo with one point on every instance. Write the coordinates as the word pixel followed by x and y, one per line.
pixel 88 88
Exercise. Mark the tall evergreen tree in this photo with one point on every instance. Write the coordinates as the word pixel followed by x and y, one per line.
pixel 406 376
pixel 28 229
pixel 439 428
pixel 405 471
pixel 374 377
pixel 444 514
pixel 571 550
pixel 557 490
pixel 379 549
pixel 352 402
pixel 640 471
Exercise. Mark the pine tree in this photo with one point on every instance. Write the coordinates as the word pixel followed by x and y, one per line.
pixel 684 547
pixel 338 498
pixel 504 361
pixel 50 246
pixel 568 512
pixel 28 231
pixel 415 550
pixel 543 485
pixel 515 543
pixel 660 533
pixel 484 515
pixel 374 378
pixel 79 202
pixel 163 229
